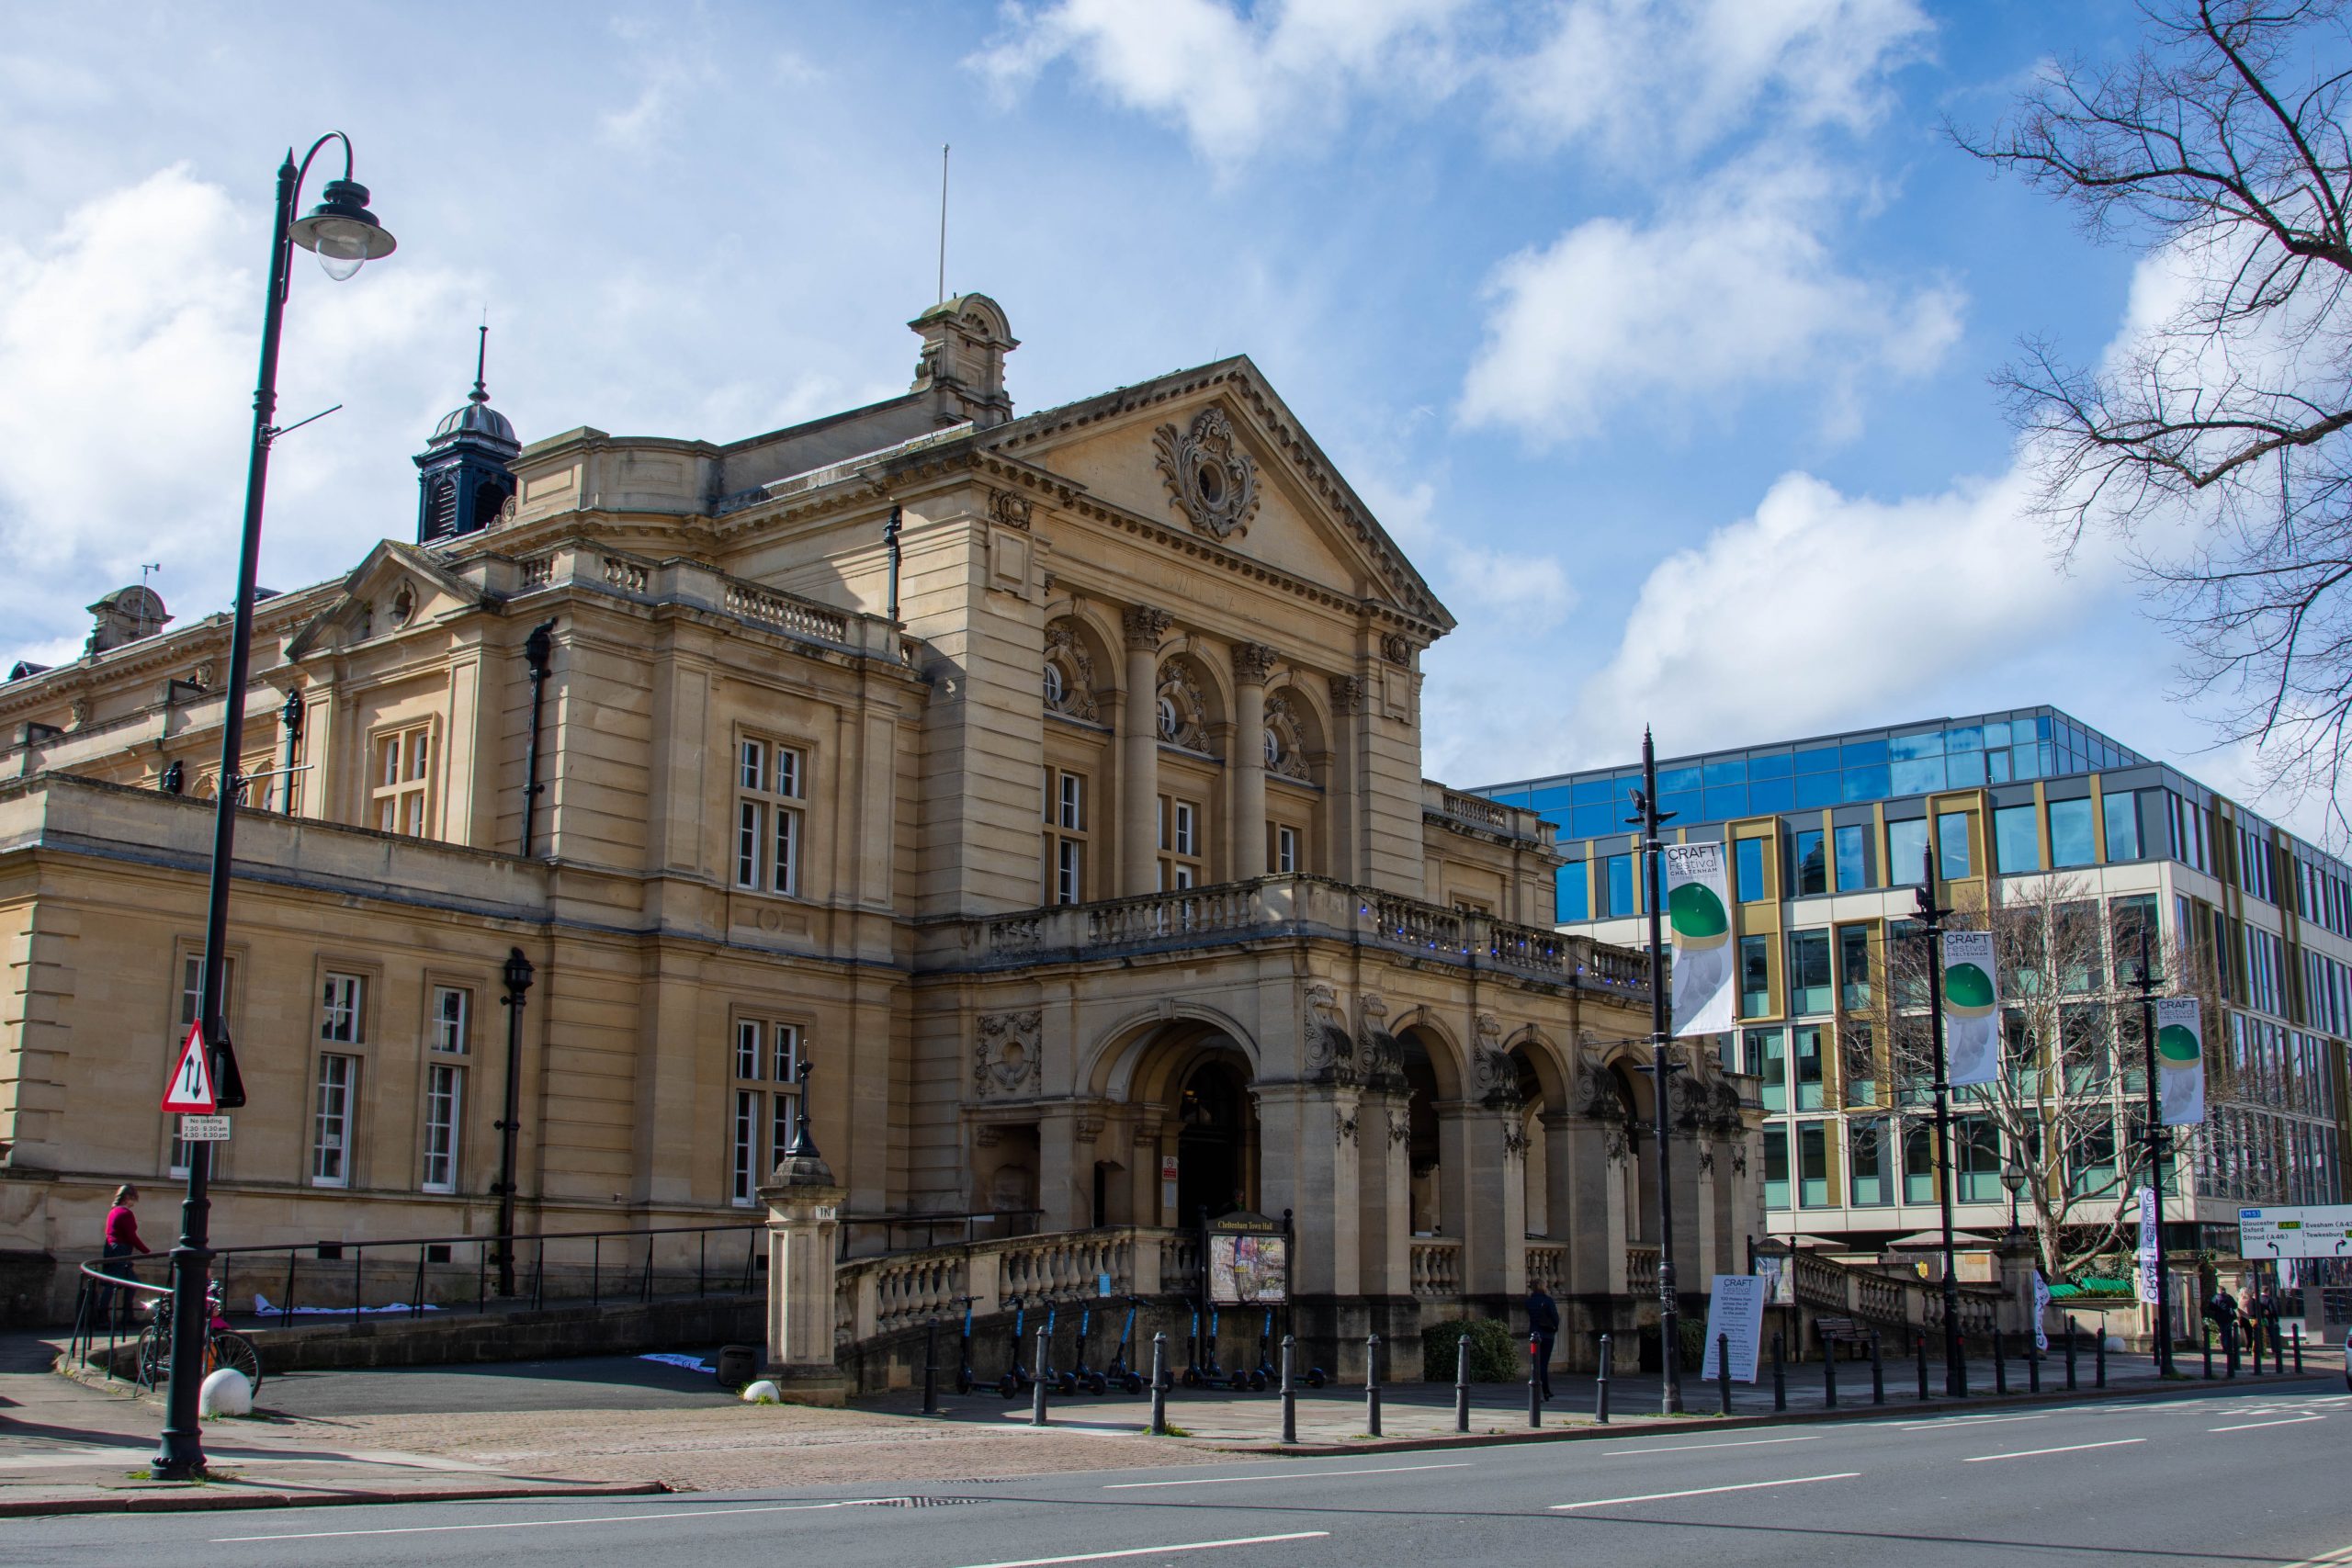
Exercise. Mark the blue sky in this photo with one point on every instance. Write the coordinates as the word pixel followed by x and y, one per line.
pixel 1657 331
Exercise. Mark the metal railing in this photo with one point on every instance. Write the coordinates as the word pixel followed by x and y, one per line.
pixel 104 1300
pixel 564 1265
pixel 897 1231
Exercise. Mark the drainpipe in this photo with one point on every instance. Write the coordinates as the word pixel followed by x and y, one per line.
pixel 290 717
pixel 891 542
pixel 536 649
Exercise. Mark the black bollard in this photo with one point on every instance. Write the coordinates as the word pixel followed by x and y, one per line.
pixel 2032 1367
pixel 1372 1383
pixel 1722 1369
pixel 2299 1349
pixel 1830 1374
pixel 2254 1343
pixel 1159 1386
pixel 930 1371
pixel 2071 1384
pixel 2098 1355
pixel 1534 1381
pixel 1779 1373
pixel 1878 1371
pixel 1462 1383
pixel 2205 1344
pixel 2278 1349
pixel 1920 1347
pixel 1601 1386
pixel 2229 1350
pixel 2000 1364
pixel 1037 1389
pixel 1290 1393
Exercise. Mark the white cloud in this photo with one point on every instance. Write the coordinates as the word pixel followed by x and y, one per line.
pixel 1733 285
pixel 1646 82
pixel 125 401
pixel 1233 83
pixel 1505 595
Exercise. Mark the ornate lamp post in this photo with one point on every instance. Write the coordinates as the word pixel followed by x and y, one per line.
pixel 1661 1070
pixel 2013 1177
pixel 344 235
pixel 1931 931
pixel 518 974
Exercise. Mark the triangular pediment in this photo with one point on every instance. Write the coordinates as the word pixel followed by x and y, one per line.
pixel 1216 454
pixel 396 586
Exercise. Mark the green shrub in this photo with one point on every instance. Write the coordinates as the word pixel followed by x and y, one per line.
pixel 1497 1355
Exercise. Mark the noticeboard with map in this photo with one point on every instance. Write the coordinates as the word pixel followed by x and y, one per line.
pixel 1245 1268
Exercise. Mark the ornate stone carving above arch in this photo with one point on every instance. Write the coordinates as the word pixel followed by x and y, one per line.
pixel 1212 480
pixel 1329 1050
pixel 1145 625
pixel 1287 740
pixel 1183 711
pixel 1008 1055
pixel 1069 680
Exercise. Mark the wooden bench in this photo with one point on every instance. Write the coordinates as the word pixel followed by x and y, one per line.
pixel 1832 1331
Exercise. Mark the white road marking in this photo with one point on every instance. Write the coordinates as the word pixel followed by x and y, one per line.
pixel 1283 1475
pixel 1970 1421
pixel 552 1524
pixel 2282 1421
pixel 1706 1491
pixel 2325 1560
pixel 1155 1550
pixel 1686 1448
pixel 2068 1449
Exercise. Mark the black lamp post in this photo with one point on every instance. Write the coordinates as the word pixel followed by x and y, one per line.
pixel 2155 1154
pixel 1931 931
pixel 1661 1071
pixel 343 234
pixel 518 974
pixel 2013 1177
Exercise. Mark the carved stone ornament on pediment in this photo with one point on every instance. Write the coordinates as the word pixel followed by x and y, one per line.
pixel 1396 649
pixel 1006 1058
pixel 1010 510
pixel 404 605
pixel 1209 475
pixel 1069 674
pixel 1330 1051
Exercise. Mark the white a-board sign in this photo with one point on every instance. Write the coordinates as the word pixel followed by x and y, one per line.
pixel 1735 1314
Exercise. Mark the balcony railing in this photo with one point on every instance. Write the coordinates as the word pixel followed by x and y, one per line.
pixel 1232 913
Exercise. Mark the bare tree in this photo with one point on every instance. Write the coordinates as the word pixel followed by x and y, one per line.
pixel 2068 1106
pixel 2214 442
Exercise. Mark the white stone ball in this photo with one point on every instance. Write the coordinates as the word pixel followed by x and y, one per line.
pixel 764 1392
pixel 225 1392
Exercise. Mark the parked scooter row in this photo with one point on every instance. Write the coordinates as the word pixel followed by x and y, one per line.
pixel 1201 1372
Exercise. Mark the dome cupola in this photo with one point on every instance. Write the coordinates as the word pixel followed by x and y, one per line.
pixel 465 480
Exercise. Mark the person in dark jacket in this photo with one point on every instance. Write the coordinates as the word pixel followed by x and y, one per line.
pixel 1543 1324
pixel 121 1240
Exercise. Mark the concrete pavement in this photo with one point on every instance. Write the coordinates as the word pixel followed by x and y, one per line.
pixel 2191 1476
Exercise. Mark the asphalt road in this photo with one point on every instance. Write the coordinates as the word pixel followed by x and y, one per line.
pixel 2205 1479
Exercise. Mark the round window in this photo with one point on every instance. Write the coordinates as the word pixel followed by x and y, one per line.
pixel 1168 725
pixel 1211 479
pixel 1274 748
pixel 1055 689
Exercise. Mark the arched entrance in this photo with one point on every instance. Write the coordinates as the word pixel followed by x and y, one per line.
pixel 1216 1138
pixel 1426 1187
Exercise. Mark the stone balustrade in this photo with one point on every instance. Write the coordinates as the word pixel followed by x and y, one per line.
pixel 906 1289
pixel 1288 908
pixel 1547 1267
pixel 1436 1268
pixel 1641 1270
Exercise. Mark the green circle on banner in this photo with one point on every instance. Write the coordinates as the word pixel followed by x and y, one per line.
pixel 1966 986
pixel 1696 913
pixel 2177 1045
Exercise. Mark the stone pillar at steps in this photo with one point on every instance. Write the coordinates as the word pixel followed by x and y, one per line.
pixel 804 1213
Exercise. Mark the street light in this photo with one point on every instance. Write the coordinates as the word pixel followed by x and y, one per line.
pixel 1661 1068
pixel 2013 1177
pixel 343 234
pixel 518 974
pixel 1931 932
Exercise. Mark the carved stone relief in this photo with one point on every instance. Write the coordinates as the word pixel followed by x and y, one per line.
pixel 1006 1058
pixel 1285 743
pixel 1330 1051
pixel 1209 476
pixel 1145 625
pixel 1069 674
pixel 1181 708
pixel 1010 510
pixel 1347 695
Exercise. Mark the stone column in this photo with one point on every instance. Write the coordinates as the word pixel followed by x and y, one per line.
pixel 1384 1177
pixel 1139 754
pixel 1252 662
pixel 1341 805
pixel 1486 1196
pixel 804 1212
pixel 1576 1165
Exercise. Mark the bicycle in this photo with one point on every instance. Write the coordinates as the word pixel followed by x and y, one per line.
pixel 224 1346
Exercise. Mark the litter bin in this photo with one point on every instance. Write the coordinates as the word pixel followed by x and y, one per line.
pixel 737 1365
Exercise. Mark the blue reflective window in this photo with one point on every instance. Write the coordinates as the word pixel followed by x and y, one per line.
pixel 1748 871
pixel 2041 728
pixel 1951 845
pixel 1963 738
pixel 1906 850
pixel 2017 840
pixel 1687 808
pixel 1997 734
pixel 1996 767
pixel 1815 789
pixel 1674 781
pixel 1622 786
pixel 2123 827
pixel 1808 864
pixel 2070 834
pixel 1921 743
pixel 1963 769
pixel 1862 752
pixel 1573 902
pixel 1593 821
pixel 1867 782
pixel 1588 792
pixel 1771 795
pixel 1853 859
pixel 2022 764
pixel 1545 799
pixel 1820 760
pixel 1620 888
pixel 1918 776
pixel 1727 771
pixel 1769 765
pixel 1725 802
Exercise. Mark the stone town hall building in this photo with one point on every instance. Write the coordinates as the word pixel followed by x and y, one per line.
pixel 1111 856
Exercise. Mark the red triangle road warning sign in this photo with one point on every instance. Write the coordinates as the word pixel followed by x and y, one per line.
pixel 190 1090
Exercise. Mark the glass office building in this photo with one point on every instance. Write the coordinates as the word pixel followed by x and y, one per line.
pixel 1828 837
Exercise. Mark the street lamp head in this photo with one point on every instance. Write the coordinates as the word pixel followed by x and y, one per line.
pixel 2013 1177
pixel 343 232
pixel 519 971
